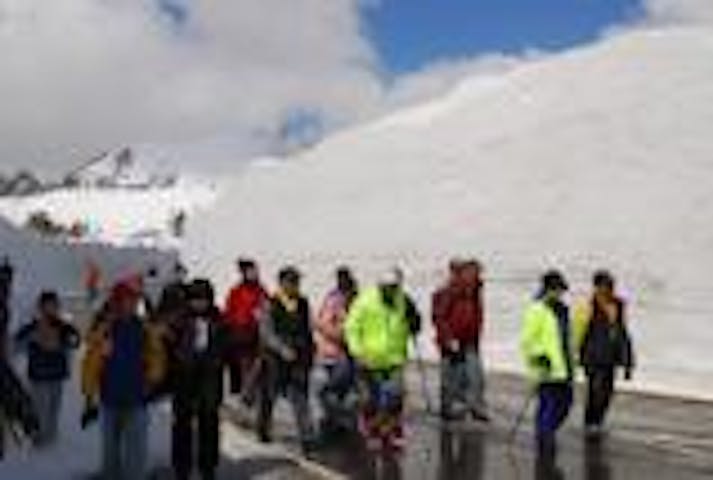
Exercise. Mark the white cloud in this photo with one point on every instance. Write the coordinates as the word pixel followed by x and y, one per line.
pixel 83 75
pixel 438 78
pixel 680 11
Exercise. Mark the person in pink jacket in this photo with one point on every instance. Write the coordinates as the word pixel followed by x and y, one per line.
pixel 332 353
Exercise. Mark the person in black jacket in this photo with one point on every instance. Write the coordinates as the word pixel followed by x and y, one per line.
pixel 47 341
pixel 606 346
pixel 288 351
pixel 200 344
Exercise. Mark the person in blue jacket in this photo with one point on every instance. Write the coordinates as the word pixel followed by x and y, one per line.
pixel 47 341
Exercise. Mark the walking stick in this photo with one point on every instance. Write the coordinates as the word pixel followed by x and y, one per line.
pixel 420 364
pixel 521 416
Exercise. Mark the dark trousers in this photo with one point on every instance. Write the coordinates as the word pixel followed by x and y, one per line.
pixel 340 381
pixel 193 421
pixel 244 366
pixel 599 395
pixel 555 402
pixel 291 381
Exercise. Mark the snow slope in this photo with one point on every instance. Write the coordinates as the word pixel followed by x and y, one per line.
pixel 602 156
pixel 119 216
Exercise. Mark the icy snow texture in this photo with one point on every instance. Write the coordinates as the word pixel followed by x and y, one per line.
pixel 602 156
pixel 122 217
pixel 43 265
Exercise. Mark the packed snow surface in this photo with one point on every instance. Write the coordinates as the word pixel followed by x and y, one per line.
pixel 600 157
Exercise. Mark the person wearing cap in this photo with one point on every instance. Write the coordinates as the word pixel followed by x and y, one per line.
pixel 379 325
pixel 458 319
pixel 200 341
pixel 47 340
pixel 123 363
pixel 331 350
pixel 245 301
pixel 604 346
pixel 546 345
pixel 288 354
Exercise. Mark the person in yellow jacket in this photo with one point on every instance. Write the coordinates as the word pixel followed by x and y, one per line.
pixel 546 345
pixel 379 325
pixel 123 364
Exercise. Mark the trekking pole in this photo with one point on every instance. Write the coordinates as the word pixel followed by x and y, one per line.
pixel 521 416
pixel 420 364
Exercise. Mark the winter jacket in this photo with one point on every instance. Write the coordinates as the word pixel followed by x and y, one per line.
pixel 546 343
pixel 329 328
pixel 199 348
pixel 604 342
pixel 242 312
pixel 287 326
pixel 458 315
pixel 377 335
pixel 126 354
pixel 48 364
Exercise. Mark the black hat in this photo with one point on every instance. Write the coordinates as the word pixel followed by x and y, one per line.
pixel 246 264
pixel 289 274
pixel 603 278
pixel 48 296
pixel 554 280
pixel 200 288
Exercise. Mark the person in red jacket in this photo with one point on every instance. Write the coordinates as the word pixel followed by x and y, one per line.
pixel 458 319
pixel 245 301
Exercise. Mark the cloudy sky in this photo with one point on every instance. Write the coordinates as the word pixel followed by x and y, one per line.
pixel 82 76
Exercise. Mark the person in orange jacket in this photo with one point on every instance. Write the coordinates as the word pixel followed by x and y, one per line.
pixel 123 363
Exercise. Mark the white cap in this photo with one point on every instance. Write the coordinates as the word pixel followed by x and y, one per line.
pixel 391 276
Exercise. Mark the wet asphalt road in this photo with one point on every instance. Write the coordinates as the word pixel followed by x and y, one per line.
pixel 651 438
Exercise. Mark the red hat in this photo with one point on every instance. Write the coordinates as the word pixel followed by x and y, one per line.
pixel 123 291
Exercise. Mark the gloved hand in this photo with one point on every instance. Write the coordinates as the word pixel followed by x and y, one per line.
pixel 90 414
pixel 543 363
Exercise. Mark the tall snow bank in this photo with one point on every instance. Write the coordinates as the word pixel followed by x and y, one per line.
pixel 602 156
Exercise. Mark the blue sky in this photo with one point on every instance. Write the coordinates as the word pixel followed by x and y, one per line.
pixel 409 34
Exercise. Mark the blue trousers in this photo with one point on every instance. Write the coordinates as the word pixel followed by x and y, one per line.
pixel 124 443
pixel 555 403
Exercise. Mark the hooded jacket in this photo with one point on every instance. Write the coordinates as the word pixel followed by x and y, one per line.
pixel 603 342
pixel 546 336
pixel 377 334
pixel 458 314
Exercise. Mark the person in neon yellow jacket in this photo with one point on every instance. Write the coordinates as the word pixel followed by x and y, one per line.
pixel 546 345
pixel 379 325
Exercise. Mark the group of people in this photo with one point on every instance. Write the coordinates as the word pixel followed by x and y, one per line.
pixel 146 344
pixel 554 342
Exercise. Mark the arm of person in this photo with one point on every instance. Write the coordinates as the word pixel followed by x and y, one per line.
pixel 531 344
pixel 413 316
pixel 269 337
pixel 580 328
pixel 154 357
pixel 439 317
pixel 72 339
pixel 628 356
pixel 353 328
pixel 21 339
pixel 93 363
